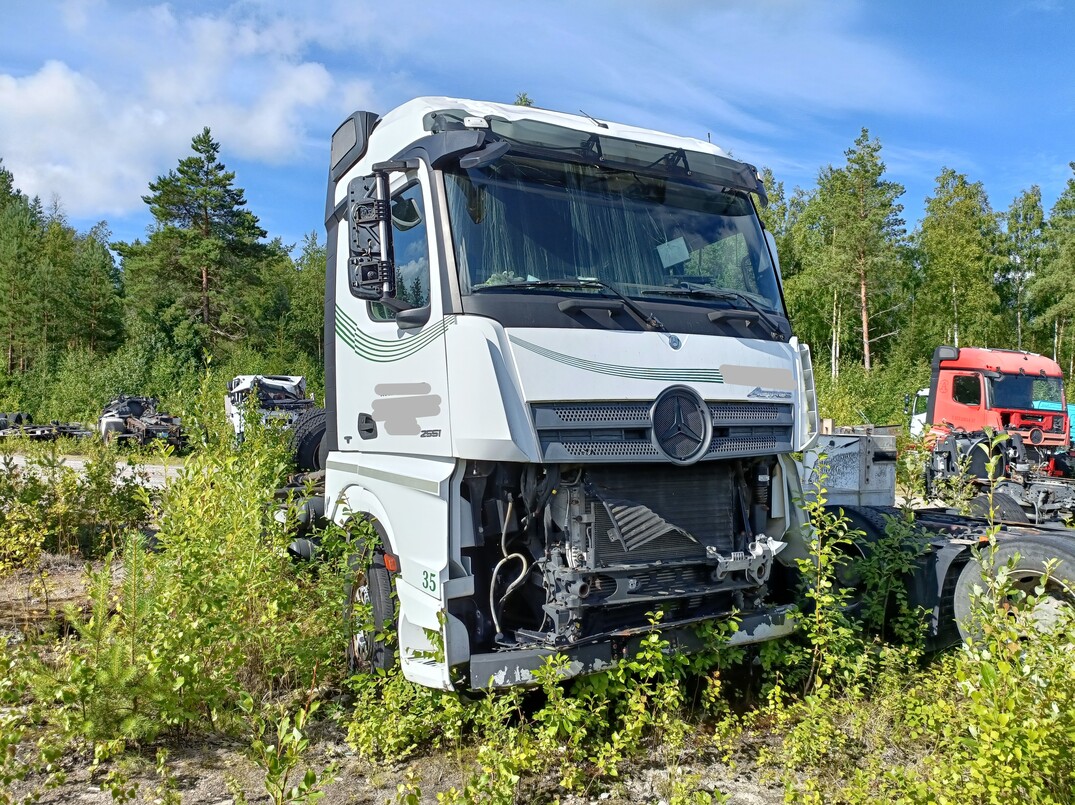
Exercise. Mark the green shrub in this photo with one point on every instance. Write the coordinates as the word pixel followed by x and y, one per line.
pixel 858 397
pixel 47 505
pixel 216 613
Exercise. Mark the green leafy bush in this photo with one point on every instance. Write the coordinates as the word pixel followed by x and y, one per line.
pixel 47 505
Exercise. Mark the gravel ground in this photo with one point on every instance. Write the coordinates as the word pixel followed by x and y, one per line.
pixel 214 771
pixel 156 472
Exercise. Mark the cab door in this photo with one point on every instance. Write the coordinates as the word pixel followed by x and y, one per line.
pixel 961 401
pixel 392 374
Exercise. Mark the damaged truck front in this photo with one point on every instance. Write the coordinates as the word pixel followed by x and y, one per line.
pixel 562 389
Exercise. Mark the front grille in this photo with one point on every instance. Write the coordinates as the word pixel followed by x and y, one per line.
pixel 623 449
pixel 570 413
pixel 752 441
pixel 749 412
pixel 611 431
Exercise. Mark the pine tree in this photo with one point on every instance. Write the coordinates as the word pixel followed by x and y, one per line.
pixel 1053 289
pixel 779 217
pixel 54 305
pixel 98 287
pixel 8 192
pixel 197 270
pixel 20 250
pixel 849 236
pixel 1025 230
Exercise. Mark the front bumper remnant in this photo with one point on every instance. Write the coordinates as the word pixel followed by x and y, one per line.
pixel 516 666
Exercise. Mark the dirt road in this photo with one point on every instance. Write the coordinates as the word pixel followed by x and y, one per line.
pixel 157 473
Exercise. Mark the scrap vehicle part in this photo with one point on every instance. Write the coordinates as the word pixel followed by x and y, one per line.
pixel 279 399
pixel 136 419
pixel 47 432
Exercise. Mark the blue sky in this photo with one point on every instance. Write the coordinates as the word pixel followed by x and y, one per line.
pixel 99 97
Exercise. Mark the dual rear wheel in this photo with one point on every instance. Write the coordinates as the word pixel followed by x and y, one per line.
pixel 1028 559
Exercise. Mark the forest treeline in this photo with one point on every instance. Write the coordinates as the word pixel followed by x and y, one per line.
pixel 207 285
pixel 864 291
pixel 205 288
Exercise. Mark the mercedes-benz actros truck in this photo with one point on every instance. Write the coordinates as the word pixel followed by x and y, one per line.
pixel 564 399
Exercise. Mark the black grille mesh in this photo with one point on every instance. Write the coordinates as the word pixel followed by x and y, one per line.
pixel 748 412
pixel 602 412
pixel 697 502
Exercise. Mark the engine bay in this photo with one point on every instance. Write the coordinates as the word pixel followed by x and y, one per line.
pixel 565 554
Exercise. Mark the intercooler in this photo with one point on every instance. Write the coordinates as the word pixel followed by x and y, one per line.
pixel 648 513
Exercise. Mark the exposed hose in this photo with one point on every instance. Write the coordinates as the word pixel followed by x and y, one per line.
pixel 535 493
pixel 493 605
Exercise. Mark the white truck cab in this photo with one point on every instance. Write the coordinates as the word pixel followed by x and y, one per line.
pixel 561 384
pixel 280 399
pixel 917 407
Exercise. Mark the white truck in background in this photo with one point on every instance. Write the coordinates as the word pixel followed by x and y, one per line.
pixel 562 388
pixel 281 399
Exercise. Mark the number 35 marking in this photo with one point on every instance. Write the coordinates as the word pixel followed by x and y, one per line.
pixel 429 581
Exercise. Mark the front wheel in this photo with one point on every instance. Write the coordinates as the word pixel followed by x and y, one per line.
pixel 370 614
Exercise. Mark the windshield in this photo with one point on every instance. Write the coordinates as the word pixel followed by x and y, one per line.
pixel 523 220
pixel 1027 392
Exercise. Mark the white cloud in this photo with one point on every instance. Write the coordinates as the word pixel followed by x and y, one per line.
pixel 58 138
pixel 76 14
pixel 129 84
pixel 96 133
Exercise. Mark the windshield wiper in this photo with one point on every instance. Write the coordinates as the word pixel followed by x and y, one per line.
pixel 725 293
pixel 648 319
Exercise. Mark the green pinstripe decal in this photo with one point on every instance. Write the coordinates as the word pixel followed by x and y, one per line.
pixel 637 372
pixel 381 350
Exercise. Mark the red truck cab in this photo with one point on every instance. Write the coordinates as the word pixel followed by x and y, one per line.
pixel 972 389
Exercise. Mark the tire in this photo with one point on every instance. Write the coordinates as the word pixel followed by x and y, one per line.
pixel 870 523
pixel 1034 551
pixel 370 649
pixel 306 439
pixel 1005 509
pixel 322 451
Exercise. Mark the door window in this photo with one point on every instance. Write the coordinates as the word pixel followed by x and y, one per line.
pixel 410 246
pixel 966 389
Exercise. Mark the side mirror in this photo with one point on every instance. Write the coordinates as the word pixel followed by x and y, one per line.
pixel 771 242
pixel 372 268
pixel 906 403
pixel 412 318
pixel 485 156
pixel 369 217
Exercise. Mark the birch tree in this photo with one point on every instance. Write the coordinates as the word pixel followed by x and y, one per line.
pixel 962 258
pixel 851 240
